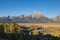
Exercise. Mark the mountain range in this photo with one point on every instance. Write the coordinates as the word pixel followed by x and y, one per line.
pixel 35 17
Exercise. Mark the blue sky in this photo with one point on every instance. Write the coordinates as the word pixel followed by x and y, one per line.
pixel 49 8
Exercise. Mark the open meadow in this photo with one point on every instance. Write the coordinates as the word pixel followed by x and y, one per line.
pixel 40 24
pixel 30 31
pixel 49 28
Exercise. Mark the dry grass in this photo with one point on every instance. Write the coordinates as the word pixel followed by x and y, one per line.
pixel 45 25
pixel 50 28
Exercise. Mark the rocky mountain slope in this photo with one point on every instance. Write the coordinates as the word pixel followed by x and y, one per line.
pixel 35 17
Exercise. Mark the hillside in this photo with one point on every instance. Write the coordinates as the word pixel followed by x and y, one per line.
pixel 35 17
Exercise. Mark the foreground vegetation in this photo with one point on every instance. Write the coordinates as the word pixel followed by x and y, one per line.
pixel 13 31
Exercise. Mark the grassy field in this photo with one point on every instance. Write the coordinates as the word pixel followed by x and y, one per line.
pixel 45 25
pixel 49 28
pixel 30 31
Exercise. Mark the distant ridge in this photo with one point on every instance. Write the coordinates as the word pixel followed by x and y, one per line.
pixel 35 17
